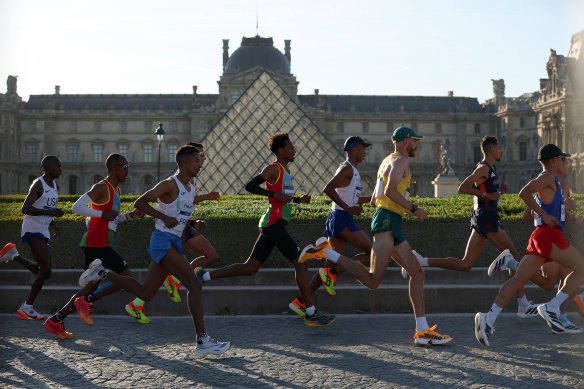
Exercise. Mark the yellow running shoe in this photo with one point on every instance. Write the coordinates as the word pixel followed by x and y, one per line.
pixel 298 307
pixel 430 336
pixel 172 288
pixel 328 279
pixel 316 251
pixel 137 312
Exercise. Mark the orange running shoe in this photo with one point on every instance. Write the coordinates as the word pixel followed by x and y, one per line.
pixel 430 336
pixel 85 310
pixel 298 307
pixel 328 279
pixel 316 251
pixel 137 312
pixel 57 328
pixel 172 288
pixel 8 253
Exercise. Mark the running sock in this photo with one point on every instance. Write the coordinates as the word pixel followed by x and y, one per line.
pixel 523 302
pixel 423 261
pixel 57 317
pixel 206 276
pixel 512 264
pixel 90 298
pixel 492 314
pixel 139 302
pixel 310 311
pixel 421 323
pixel 332 255
pixel 26 306
pixel 558 300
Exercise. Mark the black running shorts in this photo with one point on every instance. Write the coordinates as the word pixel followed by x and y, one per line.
pixel 486 221
pixel 110 259
pixel 275 235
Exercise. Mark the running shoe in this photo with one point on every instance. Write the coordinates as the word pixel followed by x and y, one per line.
pixel 328 279
pixel 57 328
pixel 551 316
pixel 8 253
pixel 529 311
pixel 206 345
pixel 483 331
pixel 137 312
pixel 85 310
pixel 298 307
pixel 200 272
pixel 26 313
pixel 318 319
pixel 172 289
pixel 316 251
pixel 95 272
pixel 430 336
pixel 500 263
pixel 569 328
pixel 579 303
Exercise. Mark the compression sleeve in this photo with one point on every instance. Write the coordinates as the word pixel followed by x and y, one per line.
pixel 81 207
pixel 254 187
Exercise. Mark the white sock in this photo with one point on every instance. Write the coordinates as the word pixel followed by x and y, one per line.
pixel 310 310
pixel 492 314
pixel 558 300
pixel 421 323
pixel 423 261
pixel 523 302
pixel 206 276
pixel 332 255
pixel 25 305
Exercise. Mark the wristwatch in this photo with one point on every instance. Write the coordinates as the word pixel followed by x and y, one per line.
pixel 413 209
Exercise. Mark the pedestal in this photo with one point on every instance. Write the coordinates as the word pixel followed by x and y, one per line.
pixel 445 186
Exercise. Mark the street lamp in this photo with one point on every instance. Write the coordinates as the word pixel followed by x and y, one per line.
pixel 159 135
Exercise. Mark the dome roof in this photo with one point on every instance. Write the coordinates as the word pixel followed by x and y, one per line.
pixel 257 51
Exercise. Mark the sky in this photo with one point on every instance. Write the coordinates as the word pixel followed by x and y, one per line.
pixel 388 47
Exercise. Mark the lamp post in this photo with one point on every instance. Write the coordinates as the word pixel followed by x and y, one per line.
pixel 159 135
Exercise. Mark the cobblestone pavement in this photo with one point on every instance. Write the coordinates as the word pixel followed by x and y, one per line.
pixel 357 351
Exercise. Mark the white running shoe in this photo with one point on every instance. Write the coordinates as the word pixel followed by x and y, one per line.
pixel 28 313
pixel 569 328
pixel 206 345
pixel 529 311
pixel 404 273
pixel 483 331
pixel 500 263
pixel 8 253
pixel 552 317
pixel 94 272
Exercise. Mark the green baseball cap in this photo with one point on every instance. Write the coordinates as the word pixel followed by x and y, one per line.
pixel 404 132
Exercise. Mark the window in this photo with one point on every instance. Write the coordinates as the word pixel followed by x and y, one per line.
pixel 477 128
pixel 234 95
pixel 523 151
pixel 172 126
pixel 147 153
pixel 73 126
pixel 365 127
pixel 123 149
pixel 438 128
pixel 522 121
pixel 477 155
pixel 148 126
pixel 340 127
pixel 72 151
pixel 123 126
pixel 32 126
pixel 32 153
pixel 436 148
pixel 171 152
pixel 97 126
pixel 97 153
pixel 73 185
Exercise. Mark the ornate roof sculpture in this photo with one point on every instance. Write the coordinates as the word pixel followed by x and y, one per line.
pixel 237 144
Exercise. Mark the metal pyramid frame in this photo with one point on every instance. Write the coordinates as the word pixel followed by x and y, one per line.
pixel 237 145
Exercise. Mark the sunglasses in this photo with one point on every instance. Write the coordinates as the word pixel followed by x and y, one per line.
pixel 125 167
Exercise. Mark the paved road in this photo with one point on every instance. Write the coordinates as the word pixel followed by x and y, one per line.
pixel 357 351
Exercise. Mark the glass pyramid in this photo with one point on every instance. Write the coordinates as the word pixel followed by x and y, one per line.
pixel 238 143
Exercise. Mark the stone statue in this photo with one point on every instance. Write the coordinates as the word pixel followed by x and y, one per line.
pixel 499 87
pixel 11 85
pixel 446 159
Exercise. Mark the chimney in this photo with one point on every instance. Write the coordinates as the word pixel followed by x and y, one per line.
pixel 287 50
pixel 195 90
pixel 450 93
pixel 57 89
pixel 225 52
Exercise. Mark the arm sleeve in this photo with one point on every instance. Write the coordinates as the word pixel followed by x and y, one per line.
pixel 254 187
pixel 81 207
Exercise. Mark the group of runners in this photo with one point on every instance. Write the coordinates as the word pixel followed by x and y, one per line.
pixel 107 272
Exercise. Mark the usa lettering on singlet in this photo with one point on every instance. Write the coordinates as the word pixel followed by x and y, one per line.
pixel 277 209
pixel 381 200
pixel 48 200
pixel 181 209
pixel 490 185
pixel 556 208
pixel 349 194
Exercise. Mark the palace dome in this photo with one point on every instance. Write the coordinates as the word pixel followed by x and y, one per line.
pixel 257 51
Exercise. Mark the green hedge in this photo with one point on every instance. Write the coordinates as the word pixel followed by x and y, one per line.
pixel 232 228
